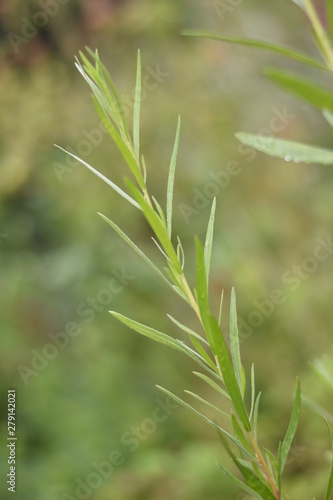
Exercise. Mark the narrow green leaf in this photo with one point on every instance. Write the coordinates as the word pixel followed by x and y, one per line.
pixel 259 44
pixel 177 275
pixel 256 483
pixel 171 179
pixel 144 169
pixel 157 226
pixel 216 340
pixel 195 337
pixel 330 479
pixel 109 109
pixel 103 81
pixel 213 384
pixel 329 7
pixel 162 252
pixel 251 465
pixel 180 253
pixel 188 330
pixel 137 107
pixel 107 117
pixel 198 359
pixel 207 403
pixel 203 354
pixel 94 77
pixel 279 468
pixel 135 248
pixel 320 41
pixel 209 240
pixel 255 469
pixel 162 338
pixel 115 96
pixel 255 417
pixel 203 417
pixel 240 435
pixel 272 462
pixel 105 179
pixel 250 472
pixel 234 340
pixel 288 439
pixel 123 147
pixel 151 333
pixel 136 112
pixel 289 151
pixel 253 392
pixel 303 89
pixel 180 293
pixel 220 309
pixel 328 114
pixel 240 483
pixel 320 34
pixel 96 82
pixel 229 377
pixel 247 464
pixel 226 445
pixel 159 210
pixel 202 295
pixel 171 274
pixel 243 381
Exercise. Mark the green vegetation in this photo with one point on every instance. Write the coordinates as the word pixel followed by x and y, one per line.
pixel 262 475
pixel 91 420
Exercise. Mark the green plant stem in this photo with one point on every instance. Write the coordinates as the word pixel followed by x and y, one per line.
pixel 183 279
pixel 147 197
pixel 190 296
pixel 264 467
pixel 320 32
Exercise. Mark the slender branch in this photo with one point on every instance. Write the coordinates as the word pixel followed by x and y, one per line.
pixel 320 32
pixel 190 296
pixel 147 197
pixel 264 467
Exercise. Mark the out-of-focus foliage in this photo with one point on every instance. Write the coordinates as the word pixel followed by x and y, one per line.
pixel 76 407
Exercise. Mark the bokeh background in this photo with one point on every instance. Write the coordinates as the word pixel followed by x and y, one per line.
pixel 75 402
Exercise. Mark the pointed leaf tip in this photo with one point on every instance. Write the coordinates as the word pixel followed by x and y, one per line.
pixel 234 339
pixel 171 178
pixel 137 109
pixel 291 431
pixel 209 240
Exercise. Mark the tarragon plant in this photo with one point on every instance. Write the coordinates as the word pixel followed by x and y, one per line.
pixel 217 356
pixel 304 89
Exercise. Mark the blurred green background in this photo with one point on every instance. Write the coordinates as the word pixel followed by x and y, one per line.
pixel 75 402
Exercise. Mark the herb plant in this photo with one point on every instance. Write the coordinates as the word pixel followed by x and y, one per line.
pixel 304 89
pixel 217 355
